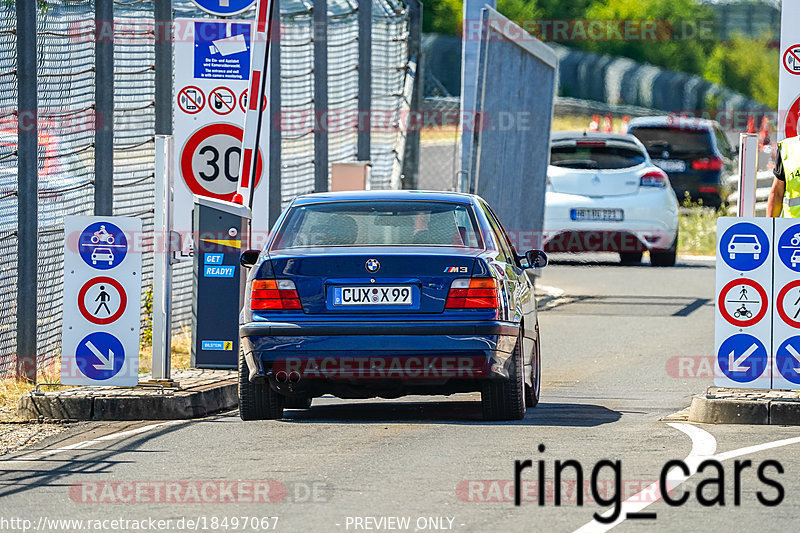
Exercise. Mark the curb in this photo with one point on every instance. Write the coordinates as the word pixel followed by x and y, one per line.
pixel 706 410
pixel 130 404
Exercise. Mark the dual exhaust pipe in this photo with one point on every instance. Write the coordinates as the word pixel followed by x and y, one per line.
pixel 292 377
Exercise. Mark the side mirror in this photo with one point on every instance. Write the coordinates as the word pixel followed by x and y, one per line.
pixel 536 258
pixel 249 258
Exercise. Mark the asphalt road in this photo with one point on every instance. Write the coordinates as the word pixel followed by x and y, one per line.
pixel 609 348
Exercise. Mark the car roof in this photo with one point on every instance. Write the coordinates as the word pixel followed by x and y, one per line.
pixel 673 122
pixel 592 135
pixel 433 196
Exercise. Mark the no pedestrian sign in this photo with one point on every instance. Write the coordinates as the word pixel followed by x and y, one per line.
pixel 102 301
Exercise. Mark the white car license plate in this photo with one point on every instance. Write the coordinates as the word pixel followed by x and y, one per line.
pixel 372 295
pixel 614 215
pixel 670 165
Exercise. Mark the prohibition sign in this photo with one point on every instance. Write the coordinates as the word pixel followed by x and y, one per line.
pixel 791 59
pixel 91 283
pixel 779 303
pixel 724 310
pixel 222 101
pixel 790 129
pixel 201 142
pixel 191 100
pixel 243 101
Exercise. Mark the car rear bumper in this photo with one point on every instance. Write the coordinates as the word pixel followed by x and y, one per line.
pixel 650 222
pixel 407 352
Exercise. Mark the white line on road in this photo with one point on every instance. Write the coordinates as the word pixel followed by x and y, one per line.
pixel 86 443
pixel 703 447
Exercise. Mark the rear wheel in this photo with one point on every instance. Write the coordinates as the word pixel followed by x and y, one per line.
pixel 505 399
pixel 532 393
pixel 297 402
pixel 257 401
pixel 665 258
pixel 630 258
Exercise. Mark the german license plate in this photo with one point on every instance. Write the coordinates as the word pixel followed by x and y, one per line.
pixel 614 215
pixel 372 295
pixel 670 165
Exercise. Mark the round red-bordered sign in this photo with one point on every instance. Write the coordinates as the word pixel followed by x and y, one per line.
pixel 195 143
pixel 790 128
pixel 779 303
pixel 792 55
pixel 191 100
pixel 243 101
pixel 724 311
pixel 91 283
pixel 222 101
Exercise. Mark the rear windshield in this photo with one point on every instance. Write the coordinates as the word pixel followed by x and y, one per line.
pixel 673 141
pixel 379 223
pixel 595 157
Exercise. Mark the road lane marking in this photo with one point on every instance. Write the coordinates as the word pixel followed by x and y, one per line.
pixel 704 446
pixel 86 443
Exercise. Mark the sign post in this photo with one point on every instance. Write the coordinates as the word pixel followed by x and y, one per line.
pixel 748 173
pixel 744 277
pixel 102 307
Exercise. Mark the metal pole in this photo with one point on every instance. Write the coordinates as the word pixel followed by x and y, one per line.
pixel 411 158
pixel 321 95
pixel 275 109
pixel 364 78
pixel 164 70
pixel 748 174
pixel 162 267
pixel 104 108
pixel 27 177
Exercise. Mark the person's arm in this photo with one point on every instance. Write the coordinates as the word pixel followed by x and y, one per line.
pixel 775 202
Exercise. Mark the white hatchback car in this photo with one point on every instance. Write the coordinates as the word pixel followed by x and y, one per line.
pixel 604 194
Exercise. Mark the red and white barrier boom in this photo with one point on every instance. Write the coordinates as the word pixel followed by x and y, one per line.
pixel 254 117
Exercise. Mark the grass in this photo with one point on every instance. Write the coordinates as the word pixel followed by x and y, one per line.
pixel 450 134
pixel 12 389
pixel 698 229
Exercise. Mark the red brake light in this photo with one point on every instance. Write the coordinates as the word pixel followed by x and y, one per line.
pixel 707 163
pixel 474 293
pixel 274 295
pixel 590 143
pixel 653 178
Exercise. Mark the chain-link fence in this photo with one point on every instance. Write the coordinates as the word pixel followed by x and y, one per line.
pixel 66 99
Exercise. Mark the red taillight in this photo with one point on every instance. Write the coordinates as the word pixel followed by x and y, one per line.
pixel 270 294
pixel 475 293
pixel 654 178
pixel 708 189
pixel 590 143
pixel 707 163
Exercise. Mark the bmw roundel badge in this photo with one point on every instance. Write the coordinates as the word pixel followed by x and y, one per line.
pixel 372 265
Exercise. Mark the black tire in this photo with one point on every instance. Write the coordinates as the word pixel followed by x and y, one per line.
pixel 257 401
pixel 505 399
pixel 532 393
pixel 630 258
pixel 297 402
pixel 665 258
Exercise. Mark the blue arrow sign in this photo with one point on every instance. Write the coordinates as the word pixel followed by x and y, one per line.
pixel 742 358
pixel 744 247
pixel 100 356
pixel 224 8
pixel 789 248
pixel 102 245
pixel 787 359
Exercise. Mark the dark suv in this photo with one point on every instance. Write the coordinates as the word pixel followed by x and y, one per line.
pixel 694 153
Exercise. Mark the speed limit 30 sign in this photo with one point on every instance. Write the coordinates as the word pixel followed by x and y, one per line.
pixel 210 161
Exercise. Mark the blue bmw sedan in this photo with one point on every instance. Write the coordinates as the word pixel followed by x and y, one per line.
pixel 385 294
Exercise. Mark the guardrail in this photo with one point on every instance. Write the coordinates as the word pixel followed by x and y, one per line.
pixel 763 186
